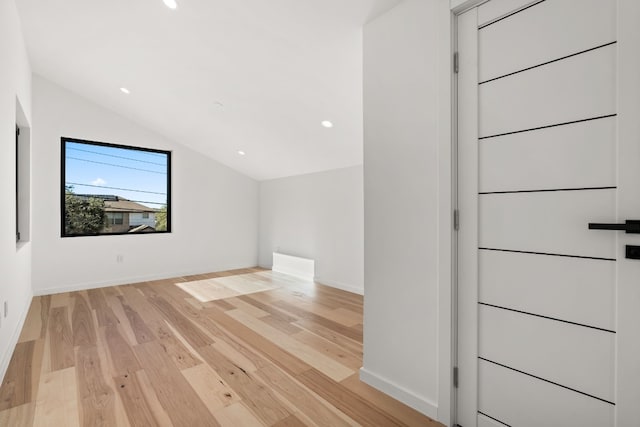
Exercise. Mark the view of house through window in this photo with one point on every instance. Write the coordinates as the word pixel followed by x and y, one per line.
pixel 114 189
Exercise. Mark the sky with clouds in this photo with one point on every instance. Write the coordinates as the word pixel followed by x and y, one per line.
pixel 133 174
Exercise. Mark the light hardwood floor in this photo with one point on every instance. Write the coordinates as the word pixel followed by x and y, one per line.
pixel 151 354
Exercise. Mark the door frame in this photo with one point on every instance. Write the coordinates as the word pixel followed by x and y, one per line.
pixel 448 204
pixel 466 205
pixel 627 286
pixel 448 12
pixel 627 376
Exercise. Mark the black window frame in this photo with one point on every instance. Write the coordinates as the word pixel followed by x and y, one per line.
pixel 64 140
pixel 17 183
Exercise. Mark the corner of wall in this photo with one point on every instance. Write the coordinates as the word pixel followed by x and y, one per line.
pixel 15 108
pixel 419 403
pixel 446 182
pixel 5 358
pixel 209 233
pixel 402 210
pixel 340 285
pixel 318 216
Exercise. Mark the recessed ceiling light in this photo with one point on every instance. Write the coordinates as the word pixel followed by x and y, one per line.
pixel 171 4
pixel 125 90
pixel 327 124
pixel 242 153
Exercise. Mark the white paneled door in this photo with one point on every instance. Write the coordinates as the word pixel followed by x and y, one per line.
pixel 548 142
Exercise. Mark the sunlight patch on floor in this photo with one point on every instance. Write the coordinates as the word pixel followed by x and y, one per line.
pixel 226 287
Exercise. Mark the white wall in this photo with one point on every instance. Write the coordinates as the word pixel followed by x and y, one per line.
pixel 15 259
pixel 401 163
pixel 214 212
pixel 317 216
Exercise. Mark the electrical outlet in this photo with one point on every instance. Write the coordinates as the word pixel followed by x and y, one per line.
pixel 6 308
pixel 119 258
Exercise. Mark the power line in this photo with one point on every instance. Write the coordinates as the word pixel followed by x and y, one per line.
pixel 118 166
pixel 101 197
pixel 113 155
pixel 114 188
pixel 133 210
pixel 97 196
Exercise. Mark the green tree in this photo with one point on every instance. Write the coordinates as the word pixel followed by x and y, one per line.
pixel 161 219
pixel 83 215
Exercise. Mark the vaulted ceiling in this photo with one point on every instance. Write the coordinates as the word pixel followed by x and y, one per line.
pixel 219 76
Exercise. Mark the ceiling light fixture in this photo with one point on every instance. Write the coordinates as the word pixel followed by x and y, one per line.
pixel 171 4
pixel 327 124
pixel 125 90
pixel 242 153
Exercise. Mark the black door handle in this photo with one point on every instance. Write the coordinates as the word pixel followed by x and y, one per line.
pixel 631 226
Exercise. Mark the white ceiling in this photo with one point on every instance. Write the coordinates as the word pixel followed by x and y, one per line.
pixel 278 67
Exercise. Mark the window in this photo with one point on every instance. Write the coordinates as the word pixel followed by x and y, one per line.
pixel 22 177
pixel 115 218
pixel 106 186
pixel 17 184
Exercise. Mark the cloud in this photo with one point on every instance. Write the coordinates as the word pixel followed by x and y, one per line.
pixel 98 181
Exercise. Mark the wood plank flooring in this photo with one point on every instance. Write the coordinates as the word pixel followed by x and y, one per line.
pixel 150 354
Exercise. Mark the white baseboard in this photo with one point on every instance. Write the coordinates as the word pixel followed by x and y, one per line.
pixel 339 285
pixel 333 283
pixel 302 268
pixel 126 281
pixel 405 396
pixel 6 357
